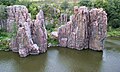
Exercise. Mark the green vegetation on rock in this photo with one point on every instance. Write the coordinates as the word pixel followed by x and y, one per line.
pixel 3 13
pixel 4 40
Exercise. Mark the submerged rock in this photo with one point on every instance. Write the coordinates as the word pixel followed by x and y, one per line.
pixel 86 29
pixel 31 37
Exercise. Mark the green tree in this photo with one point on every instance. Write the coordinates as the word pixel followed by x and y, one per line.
pixel 8 2
pixel 85 3
pixel 64 5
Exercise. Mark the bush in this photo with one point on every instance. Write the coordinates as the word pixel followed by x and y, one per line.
pixel 24 2
pixel 50 27
pixel 112 7
pixel 4 40
pixel 86 3
pixel 64 5
pixel 46 9
pixel 114 32
pixel 3 13
pixel 52 14
pixel 8 2
pixel 33 9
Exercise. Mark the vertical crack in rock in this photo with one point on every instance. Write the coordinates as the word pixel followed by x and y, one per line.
pixel 31 35
pixel 86 29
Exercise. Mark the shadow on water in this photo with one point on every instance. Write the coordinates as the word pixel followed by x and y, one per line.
pixel 58 59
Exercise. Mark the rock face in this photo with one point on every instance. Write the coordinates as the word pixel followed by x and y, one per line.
pixel 97 29
pixel 31 37
pixel 17 15
pixel 86 29
pixel 39 32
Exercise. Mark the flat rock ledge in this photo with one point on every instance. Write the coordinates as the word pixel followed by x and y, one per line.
pixel 31 36
pixel 86 29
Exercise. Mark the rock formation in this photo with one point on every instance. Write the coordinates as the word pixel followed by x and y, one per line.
pixel 86 29
pixel 31 37
pixel 97 28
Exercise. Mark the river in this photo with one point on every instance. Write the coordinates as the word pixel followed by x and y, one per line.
pixel 58 59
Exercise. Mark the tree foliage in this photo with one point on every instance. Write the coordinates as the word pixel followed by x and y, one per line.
pixel 8 2
pixel 112 7
pixel 3 13
pixel 64 5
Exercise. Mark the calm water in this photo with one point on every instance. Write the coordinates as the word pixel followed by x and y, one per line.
pixel 65 60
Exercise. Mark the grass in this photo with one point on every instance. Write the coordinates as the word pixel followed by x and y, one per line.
pixel 114 33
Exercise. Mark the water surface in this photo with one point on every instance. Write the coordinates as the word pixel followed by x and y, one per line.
pixel 65 60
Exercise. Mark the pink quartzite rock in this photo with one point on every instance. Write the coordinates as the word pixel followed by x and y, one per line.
pixel 17 14
pixel 86 29
pixel 98 29
pixel 75 31
pixel 31 35
pixel 39 32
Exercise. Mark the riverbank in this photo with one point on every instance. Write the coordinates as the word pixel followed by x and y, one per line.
pixel 113 32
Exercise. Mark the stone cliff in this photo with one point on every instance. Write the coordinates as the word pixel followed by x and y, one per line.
pixel 86 29
pixel 31 37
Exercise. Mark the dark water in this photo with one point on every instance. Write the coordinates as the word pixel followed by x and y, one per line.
pixel 65 60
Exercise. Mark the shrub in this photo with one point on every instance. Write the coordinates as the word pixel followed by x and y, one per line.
pixel 50 27
pixel 24 2
pixel 112 7
pixel 4 40
pixel 33 9
pixel 8 2
pixel 3 13
pixel 86 3
pixel 64 5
